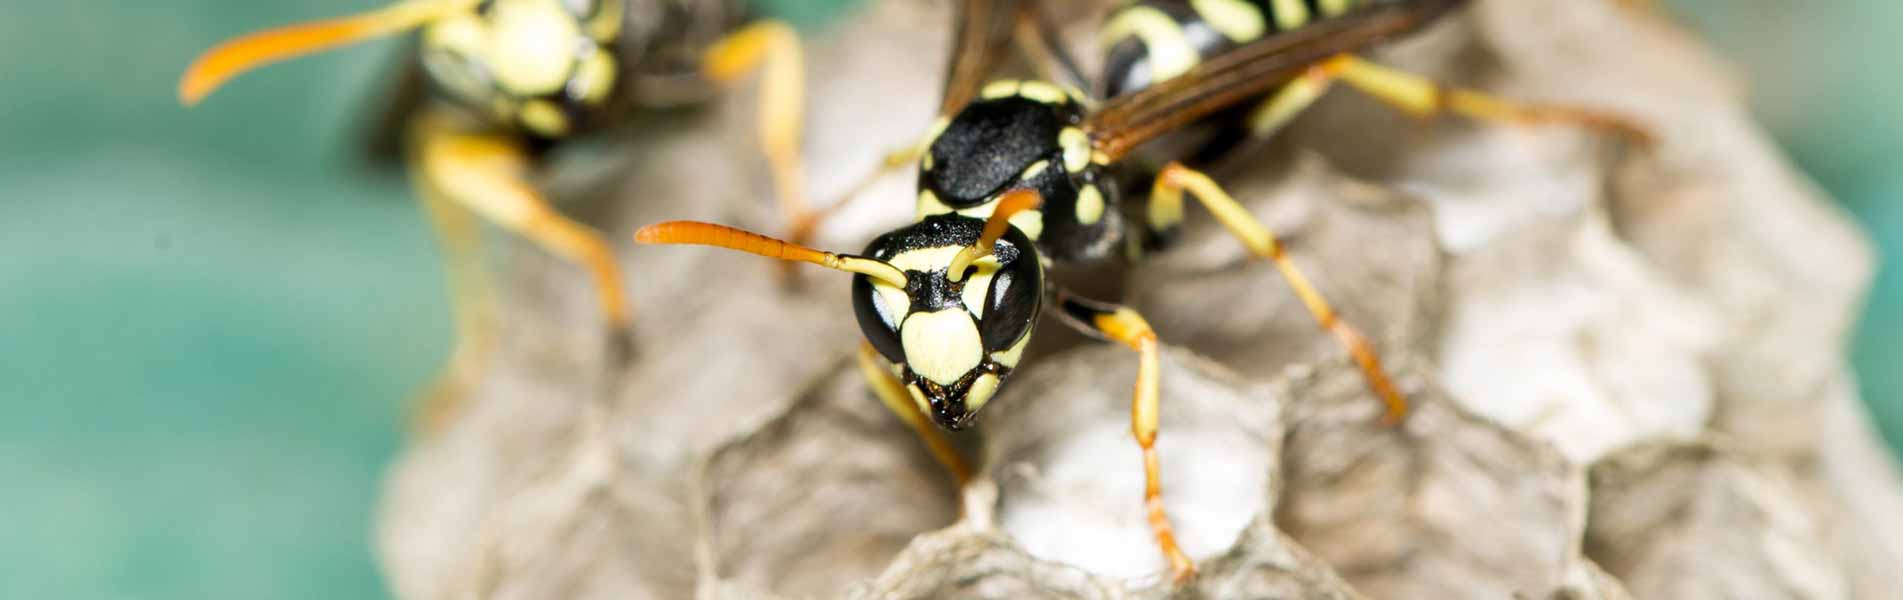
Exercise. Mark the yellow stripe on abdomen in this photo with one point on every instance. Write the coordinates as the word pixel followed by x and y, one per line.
pixel 1238 20
pixel 1170 53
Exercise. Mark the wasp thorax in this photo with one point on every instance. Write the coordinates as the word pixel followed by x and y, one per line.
pixel 1025 135
pixel 951 340
pixel 542 65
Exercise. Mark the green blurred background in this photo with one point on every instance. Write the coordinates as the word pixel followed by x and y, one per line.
pixel 210 316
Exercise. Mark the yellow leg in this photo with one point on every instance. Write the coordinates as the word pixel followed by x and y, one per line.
pixel 1167 199
pixel 1286 103
pixel 1124 326
pixel 473 310
pixel 1424 97
pixel 485 173
pixel 775 48
pixel 892 393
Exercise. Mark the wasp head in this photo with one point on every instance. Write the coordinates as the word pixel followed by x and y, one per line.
pixel 952 339
pixel 545 66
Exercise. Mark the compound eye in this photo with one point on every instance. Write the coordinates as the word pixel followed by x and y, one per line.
pixel 879 318
pixel 1016 294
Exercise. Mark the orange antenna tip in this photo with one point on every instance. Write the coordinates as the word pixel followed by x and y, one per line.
pixel 722 236
pixel 230 59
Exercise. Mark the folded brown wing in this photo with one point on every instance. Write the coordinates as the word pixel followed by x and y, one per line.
pixel 1247 72
pixel 983 35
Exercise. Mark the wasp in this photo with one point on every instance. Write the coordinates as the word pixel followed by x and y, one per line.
pixel 1019 175
pixel 507 80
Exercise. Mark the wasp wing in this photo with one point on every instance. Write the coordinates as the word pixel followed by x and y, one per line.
pixel 982 37
pixel 1247 72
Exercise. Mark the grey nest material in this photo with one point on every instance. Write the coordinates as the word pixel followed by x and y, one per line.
pixel 1627 366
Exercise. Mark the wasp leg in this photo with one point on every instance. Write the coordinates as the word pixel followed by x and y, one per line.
pixel 1423 97
pixel 1283 106
pixel 774 48
pixel 1123 325
pixel 896 399
pixel 485 173
pixel 1166 209
pixel 437 405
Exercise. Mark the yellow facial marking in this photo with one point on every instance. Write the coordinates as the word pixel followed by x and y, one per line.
pixel 1041 92
pixel 1170 52
pixel 1239 21
pixel 929 204
pixel 979 283
pixel 1010 356
pixel 1089 205
pixel 1076 146
pixel 999 89
pixel 925 259
pixel 941 346
pixel 595 78
pixel 981 392
pixel 1290 14
pixel 545 118
pixel 893 305
pixel 531 46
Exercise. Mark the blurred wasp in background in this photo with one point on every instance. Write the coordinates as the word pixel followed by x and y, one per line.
pixel 509 79
pixel 1017 175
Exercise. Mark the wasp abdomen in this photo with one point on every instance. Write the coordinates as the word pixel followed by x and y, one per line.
pixel 1153 40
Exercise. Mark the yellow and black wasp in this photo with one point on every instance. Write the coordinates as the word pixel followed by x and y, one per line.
pixel 508 79
pixel 1019 174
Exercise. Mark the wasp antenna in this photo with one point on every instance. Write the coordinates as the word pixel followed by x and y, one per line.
pixel 1012 203
pixel 721 236
pixel 228 60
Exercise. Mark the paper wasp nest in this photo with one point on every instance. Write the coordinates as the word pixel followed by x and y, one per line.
pixel 1625 362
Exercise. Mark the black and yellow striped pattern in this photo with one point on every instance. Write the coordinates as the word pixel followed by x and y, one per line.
pixel 1153 40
